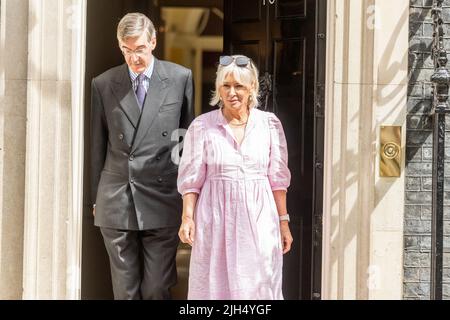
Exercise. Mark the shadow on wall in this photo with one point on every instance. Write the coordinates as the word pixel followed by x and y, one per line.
pixel 360 211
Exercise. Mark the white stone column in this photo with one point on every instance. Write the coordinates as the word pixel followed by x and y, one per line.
pixel 75 220
pixel 49 245
pixel 13 91
pixel 367 46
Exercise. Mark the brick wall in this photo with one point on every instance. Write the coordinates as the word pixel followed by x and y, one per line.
pixel 417 224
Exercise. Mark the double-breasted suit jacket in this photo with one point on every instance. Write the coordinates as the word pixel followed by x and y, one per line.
pixel 133 175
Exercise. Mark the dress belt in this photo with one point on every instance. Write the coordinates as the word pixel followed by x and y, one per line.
pixel 237 177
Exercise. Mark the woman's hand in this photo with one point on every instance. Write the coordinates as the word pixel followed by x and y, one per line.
pixel 187 230
pixel 286 237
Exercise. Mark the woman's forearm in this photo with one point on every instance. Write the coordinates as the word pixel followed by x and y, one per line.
pixel 280 201
pixel 189 202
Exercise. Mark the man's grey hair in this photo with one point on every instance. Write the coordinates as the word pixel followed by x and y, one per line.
pixel 135 25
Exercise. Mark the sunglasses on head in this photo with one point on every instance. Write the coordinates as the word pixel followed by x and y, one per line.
pixel 240 61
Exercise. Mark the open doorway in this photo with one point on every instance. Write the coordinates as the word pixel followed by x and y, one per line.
pixel 193 37
pixel 189 33
pixel 282 38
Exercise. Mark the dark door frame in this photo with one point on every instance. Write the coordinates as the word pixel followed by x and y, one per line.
pixel 319 146
pixel 319 127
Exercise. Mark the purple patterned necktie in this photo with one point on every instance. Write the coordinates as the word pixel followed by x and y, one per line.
pixel 140 90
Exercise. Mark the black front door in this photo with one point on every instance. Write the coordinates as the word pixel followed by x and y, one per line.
pixel 286 40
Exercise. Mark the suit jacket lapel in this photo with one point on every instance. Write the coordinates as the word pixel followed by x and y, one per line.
pixel 155 96
pixel 123 90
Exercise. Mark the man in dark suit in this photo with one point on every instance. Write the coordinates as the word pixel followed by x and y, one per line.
pixel 136 111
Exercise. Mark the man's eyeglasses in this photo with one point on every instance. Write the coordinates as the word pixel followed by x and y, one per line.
pixel 138 52
pixel 241 61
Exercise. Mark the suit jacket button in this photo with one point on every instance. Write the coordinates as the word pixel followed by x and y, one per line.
pixel 132 181
pixel 121 136
pixel 131 157
pixel 160 180
pixel 165 133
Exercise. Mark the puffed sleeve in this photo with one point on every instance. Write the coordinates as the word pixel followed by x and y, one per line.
pixel 279 174
pixel 192 168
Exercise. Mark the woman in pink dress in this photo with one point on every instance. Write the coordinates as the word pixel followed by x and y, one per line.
pixel 233 177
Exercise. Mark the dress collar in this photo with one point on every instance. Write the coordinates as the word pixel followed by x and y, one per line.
pixel 251 121
pixel 222 121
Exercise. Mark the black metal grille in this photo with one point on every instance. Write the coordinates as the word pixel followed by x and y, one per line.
pixel 440 80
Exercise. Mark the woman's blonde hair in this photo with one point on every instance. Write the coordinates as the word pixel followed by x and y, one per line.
pixel 247 76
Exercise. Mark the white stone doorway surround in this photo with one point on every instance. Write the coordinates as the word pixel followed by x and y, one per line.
pixel 367 50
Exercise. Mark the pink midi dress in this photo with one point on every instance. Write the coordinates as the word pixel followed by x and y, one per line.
pixel 237 250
